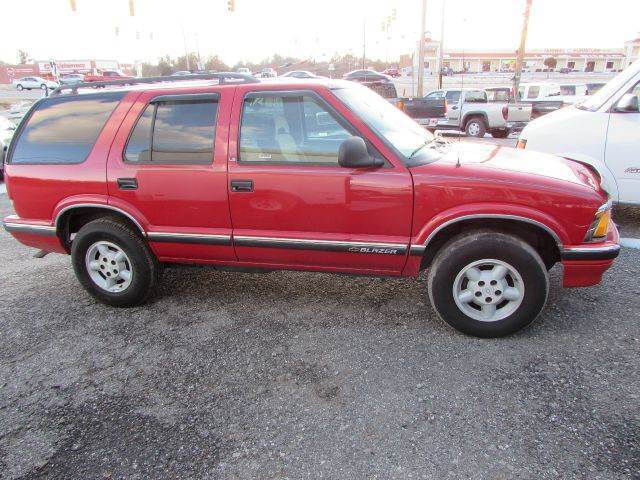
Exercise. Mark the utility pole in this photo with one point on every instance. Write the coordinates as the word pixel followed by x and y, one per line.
pixel 520 56
pixel 444 4
pixel 423 26
pixel 186 52
pixel 364 42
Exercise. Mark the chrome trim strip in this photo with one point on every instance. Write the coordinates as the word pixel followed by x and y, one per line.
pixel 26 228
pixel 417 250
pixel 607 252
pixel 325 245
pixel 189 238
pixel 98 205
pixel 494 215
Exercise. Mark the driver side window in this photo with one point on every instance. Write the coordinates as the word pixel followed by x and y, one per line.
pixel 289 129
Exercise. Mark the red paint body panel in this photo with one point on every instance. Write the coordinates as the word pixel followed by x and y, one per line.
pixel 395 205
pixel 320 202
pixel 177 198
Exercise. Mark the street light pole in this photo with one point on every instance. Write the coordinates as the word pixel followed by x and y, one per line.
pixel 423 21
pixel 444 4
pixel 520 57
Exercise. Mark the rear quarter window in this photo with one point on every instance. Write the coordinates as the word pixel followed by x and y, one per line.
pixel 63 130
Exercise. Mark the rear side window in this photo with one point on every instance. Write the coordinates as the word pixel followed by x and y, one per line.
pixel 174 132
pixel 475 96
pixel 533 92
pixel 63 130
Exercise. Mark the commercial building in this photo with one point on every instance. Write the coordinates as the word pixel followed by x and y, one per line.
pixel 476 61
pixel 44 68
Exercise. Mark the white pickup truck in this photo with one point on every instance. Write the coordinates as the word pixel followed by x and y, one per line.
pixel 468 110
pixel 601 131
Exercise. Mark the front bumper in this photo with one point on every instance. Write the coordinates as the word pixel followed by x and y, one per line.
pixel 584 264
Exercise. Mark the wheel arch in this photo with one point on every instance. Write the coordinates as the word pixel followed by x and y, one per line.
pixel 71 218
pixel 541 237
pixel 478 113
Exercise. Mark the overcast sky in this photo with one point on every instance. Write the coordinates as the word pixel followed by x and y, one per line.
pixel 302 28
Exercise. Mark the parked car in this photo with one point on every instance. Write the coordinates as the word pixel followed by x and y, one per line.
pixel 593 87
pixel 447 71
pixel 181 73
pixel 378 82
pixel 106 75
pixel 299 74
pixel 71 78
pixel 469 111
pixel 7 129
pixel 364 76
pixel 317 175
pixel 268 73
pixel 30 83
pixel 601 131
pixel 544 97
pixel 391 72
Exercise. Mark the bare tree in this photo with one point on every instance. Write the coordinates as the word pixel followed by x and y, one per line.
pixel 22 56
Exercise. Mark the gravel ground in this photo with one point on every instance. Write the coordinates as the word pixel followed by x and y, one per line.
pixel 303 375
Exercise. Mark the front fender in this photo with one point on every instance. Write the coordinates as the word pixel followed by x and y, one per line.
pixel 608 182
pixel 516 213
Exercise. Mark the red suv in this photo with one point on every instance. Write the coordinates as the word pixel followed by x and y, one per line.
pixel 322 175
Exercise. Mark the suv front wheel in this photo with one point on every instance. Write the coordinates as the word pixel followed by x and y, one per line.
pixel 488 284
pixel 113 263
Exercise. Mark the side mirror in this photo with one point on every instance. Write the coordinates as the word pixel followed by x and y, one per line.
pixel 628 103
pixel 353 153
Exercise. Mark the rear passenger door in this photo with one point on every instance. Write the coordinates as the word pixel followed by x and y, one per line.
pixel 293 205
pixel 168 164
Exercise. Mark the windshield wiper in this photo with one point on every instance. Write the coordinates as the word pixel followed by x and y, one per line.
pixel 426 142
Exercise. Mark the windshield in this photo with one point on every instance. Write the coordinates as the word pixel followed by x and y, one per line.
pixel 595 101
pixel 398 129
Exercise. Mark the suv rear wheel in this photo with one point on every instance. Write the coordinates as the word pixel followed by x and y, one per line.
pixel 488 284
pixel 113 263
pixel 475 127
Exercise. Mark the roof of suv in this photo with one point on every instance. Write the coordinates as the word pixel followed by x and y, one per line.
pixel 183 82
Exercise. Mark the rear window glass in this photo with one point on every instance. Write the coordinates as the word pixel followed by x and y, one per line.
pixel 63 129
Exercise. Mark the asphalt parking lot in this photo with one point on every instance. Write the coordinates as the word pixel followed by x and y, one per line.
pixel 306 375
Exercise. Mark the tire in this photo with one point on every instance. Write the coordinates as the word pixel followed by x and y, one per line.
pixel 499 133
pixel 481 249
pixel 475 127
pixel 43 86
pixel 144 269
pixel 19 87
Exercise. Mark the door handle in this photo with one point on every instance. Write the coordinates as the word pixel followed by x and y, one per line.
pixel 455 107
pixel 127 183
pixel 242 185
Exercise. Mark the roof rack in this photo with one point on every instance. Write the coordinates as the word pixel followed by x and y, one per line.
pixel 223 77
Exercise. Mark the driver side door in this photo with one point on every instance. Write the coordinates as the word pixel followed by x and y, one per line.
pixel 292 205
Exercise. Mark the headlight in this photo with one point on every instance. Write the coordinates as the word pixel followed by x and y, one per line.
pixel 600 225
pixel 521 143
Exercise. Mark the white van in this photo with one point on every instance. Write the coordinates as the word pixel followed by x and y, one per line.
pixel 602 131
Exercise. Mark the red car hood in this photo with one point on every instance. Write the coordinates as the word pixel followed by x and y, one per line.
pixel 506 159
